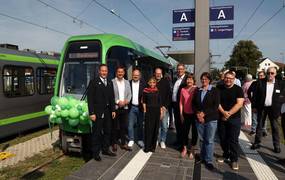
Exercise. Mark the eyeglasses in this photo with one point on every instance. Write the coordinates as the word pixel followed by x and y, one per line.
pixel 271 73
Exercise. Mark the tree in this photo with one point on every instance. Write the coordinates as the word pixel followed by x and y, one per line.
pixel 245 54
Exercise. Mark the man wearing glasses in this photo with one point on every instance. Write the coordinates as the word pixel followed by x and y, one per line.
pixel 267 100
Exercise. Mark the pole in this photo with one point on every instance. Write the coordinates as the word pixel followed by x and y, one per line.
pixel 202 56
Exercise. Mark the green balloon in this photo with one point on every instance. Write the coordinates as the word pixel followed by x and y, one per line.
pixel 64 113
pixel 62 102
pixel 85 107
pixel 54 100
pixel 73 122
pixel 67 106
pixel 48 109
pixel 72 102
pixel 69 97
pixel 58 113
pixel 58 120
pixel 73 113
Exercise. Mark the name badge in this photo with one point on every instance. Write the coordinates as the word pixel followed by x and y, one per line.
pixel 277 91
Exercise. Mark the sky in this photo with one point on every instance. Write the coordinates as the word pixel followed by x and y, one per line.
pixel 270 38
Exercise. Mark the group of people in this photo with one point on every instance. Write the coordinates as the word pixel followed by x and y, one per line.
pixel 119 107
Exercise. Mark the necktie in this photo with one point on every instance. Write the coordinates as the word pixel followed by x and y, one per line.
pixel 105 82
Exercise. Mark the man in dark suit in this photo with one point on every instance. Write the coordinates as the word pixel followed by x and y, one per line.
pixel 178 85
pixel 101 108
pixel 136 109
pixel 267 101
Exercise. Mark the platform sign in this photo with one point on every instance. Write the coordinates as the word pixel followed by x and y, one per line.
pixel 220 13
pixel 183 16
pixel 183 33
pixel 217 13
pixel 224 31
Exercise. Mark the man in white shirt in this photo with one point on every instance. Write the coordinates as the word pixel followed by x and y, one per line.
pixel 123 95
pixel 135 107
pixel 267 100
pixel 178 85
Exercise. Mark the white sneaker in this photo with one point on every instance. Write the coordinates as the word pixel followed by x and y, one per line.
pixel 131 143
pixel 162 145
pixel 141 144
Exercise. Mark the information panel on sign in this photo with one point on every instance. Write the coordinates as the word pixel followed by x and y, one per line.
pixel 225 31
pixel 183 33
pixel 217 13
pixel 220 13
pixel 183 16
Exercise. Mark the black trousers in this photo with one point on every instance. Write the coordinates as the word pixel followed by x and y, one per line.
pixel 178 124
pixel 101 133
pixel 229 134
pixel 283 123
pixel 189 121
pixel 120 127
pixel 152 118
pixel 261 117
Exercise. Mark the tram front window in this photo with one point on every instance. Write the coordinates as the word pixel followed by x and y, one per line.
pixel 80 66
pixel 77 76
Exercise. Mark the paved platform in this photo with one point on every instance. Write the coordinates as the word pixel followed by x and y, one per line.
pixel 168 165
pixel 29 148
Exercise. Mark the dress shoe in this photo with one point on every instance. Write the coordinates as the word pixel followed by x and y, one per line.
pixel 109 153
pixel 277 149
pixel 97 158
pixel 114 147
pixel 209 166
pixel 125 147
pixel 255 146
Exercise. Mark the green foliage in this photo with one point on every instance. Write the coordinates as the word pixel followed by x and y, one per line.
pixel 245 54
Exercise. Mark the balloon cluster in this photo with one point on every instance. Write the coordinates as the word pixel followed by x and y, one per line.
pixel 68 109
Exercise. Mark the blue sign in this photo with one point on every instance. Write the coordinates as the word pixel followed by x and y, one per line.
pixel 183 16
pixel 224 31
pixel 217 13
pixel 183 33
pixel 220 13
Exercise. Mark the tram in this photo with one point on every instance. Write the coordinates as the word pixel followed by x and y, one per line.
pixel 79 63
pixel 26 85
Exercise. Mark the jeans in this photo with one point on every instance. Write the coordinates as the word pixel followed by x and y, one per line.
pixel 163 127
pixel 254 123
pixel 135 118
pixel 206 133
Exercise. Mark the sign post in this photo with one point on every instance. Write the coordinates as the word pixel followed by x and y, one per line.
pixel 202 56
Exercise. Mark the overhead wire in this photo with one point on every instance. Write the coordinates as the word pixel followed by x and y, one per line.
pixel 81 12
pixel 125 21
pixel 71 16
pixel 243 27
pixel 268 20
pixel 155 27
pixel 34 24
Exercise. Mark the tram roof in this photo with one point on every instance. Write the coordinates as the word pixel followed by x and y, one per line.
pixel 185 57
pixel 110 40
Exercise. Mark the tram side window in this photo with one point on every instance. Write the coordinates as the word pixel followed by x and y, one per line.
pixel 45 80
pixel 119 56
pixel 18 81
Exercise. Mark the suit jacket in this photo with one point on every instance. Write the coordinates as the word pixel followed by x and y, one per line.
pixel 142 85
pixel 259 95
pixel 165 92
pixel 209 105
pixel 100 97
pixel 127 93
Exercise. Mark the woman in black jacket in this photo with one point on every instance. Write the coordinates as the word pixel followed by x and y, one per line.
pixel 206 103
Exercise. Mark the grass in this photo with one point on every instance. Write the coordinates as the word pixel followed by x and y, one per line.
pixel 26 137
pixel 57 169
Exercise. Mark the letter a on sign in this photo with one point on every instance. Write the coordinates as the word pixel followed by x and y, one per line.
pixel 221 14
pixel 183 17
